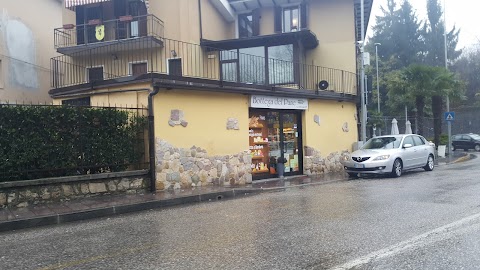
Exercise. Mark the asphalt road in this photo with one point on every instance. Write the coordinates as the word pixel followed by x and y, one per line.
pixel 423 220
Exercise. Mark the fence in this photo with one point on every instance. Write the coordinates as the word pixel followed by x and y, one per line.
pixel 38 141
pixel 178 59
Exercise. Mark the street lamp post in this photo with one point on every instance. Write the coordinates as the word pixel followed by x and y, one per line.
pixel 378 84
pixel 449 123
pixel 363 116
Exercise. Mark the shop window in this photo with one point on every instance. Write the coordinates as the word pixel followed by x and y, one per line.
pixel 95 74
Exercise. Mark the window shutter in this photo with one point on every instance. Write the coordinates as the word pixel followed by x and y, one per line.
pixel 303 16
pixel 278 20
pixel 256 22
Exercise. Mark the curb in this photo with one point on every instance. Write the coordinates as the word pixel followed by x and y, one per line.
pixel 13 225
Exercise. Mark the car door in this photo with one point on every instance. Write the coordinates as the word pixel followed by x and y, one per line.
pixel 408 154
pixel 421 151
pixel 469 142
pixel 464 142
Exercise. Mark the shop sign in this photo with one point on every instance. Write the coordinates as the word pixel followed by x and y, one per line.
pixel 267 102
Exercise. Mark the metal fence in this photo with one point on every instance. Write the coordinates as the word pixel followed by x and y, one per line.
pixel 137 57
pixel 38 141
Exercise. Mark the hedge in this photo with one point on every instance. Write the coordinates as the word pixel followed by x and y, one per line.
pixel 50 141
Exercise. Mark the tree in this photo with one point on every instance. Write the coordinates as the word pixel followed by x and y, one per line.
pixel 433 35
pixel 416 84
pixel 468 68
pixel 399 33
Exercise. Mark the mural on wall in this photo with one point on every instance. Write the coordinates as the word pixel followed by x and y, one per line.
pixel 19 42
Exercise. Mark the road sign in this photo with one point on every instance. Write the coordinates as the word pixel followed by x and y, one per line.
pixel 449 116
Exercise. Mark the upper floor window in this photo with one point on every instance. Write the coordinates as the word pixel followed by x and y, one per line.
pixel 291 19
pixel 249 24
pixel 245 25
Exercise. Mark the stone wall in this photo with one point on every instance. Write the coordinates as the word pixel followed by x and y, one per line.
pixel 32 192
pixel 192 167
pixel 315 163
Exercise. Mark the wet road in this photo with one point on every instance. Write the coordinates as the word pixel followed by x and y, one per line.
pixel 419 221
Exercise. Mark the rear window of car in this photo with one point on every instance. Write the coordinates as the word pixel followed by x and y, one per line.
pixel 383 143
pixel 475 136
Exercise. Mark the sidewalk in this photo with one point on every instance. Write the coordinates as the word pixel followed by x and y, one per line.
pixel 108 205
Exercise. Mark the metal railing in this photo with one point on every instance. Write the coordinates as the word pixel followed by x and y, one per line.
pixel 103 31
pixel 182 60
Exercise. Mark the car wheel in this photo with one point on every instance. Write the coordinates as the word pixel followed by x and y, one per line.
pixel 477 147
pixel 352 175
pixel 430 164
pixel 397 168
pixel 453 148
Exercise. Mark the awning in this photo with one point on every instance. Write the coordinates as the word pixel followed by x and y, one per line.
pixel 73 3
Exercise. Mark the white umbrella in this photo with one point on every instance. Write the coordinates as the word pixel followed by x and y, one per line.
pixel 395 130
pixel 408 128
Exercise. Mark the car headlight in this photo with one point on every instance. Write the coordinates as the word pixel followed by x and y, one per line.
pixel 382 157
pixel 345 157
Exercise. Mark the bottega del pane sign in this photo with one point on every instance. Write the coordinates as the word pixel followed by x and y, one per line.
pixel 267 102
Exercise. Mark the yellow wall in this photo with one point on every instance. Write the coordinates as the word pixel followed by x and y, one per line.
pixel 206 114
pixel 26 46
pixel 101 97
pixel 333 23
pixel 328 137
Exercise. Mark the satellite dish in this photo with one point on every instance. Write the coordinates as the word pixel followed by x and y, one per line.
pixel 323 85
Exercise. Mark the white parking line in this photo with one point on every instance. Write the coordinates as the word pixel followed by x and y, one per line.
pixel 438 234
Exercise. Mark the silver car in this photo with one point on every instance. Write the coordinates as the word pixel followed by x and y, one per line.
pixel 391 154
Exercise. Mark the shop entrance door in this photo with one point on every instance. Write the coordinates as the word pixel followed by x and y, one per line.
pixel 275 135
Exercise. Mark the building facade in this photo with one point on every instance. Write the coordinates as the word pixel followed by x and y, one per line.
pixel 26 46
pixel 239 86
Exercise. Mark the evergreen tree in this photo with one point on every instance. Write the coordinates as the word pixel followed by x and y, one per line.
pixel 433 35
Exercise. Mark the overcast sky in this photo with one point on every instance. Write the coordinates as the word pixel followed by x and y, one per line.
pixel 462 13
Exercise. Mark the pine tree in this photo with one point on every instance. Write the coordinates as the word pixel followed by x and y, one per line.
pixel 433 35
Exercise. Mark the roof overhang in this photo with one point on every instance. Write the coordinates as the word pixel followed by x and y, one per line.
pixel 358 18
pixel 74 3
pixel 307 37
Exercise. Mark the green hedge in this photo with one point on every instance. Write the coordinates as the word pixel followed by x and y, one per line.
pixel 50 141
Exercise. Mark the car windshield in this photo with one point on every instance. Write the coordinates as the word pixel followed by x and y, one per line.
pixel 383 143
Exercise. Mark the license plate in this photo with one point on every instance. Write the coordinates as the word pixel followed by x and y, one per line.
pixel 359 166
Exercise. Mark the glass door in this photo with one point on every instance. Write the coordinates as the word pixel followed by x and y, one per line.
pixel 290 142
pixel 275 135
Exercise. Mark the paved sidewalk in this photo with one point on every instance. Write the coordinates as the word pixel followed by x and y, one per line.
pixel 108 205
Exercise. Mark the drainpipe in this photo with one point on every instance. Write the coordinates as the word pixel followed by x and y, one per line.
pixel 151 139
pixel 200 19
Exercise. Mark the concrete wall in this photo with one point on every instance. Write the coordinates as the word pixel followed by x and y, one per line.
pixel 26 46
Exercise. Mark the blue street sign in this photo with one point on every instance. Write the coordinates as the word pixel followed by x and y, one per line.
pixel 449 116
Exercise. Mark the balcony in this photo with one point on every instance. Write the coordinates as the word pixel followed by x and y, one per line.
pixel 118 34
pixel 192 65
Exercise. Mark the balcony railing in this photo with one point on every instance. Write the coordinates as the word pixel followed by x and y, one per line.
pixel 181 61
pixel 97 31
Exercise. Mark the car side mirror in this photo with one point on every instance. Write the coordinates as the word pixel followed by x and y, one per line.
pixel 407 145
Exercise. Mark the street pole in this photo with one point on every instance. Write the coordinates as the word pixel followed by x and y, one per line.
pixel 378 85
pixel 363 119
pixel 449 123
